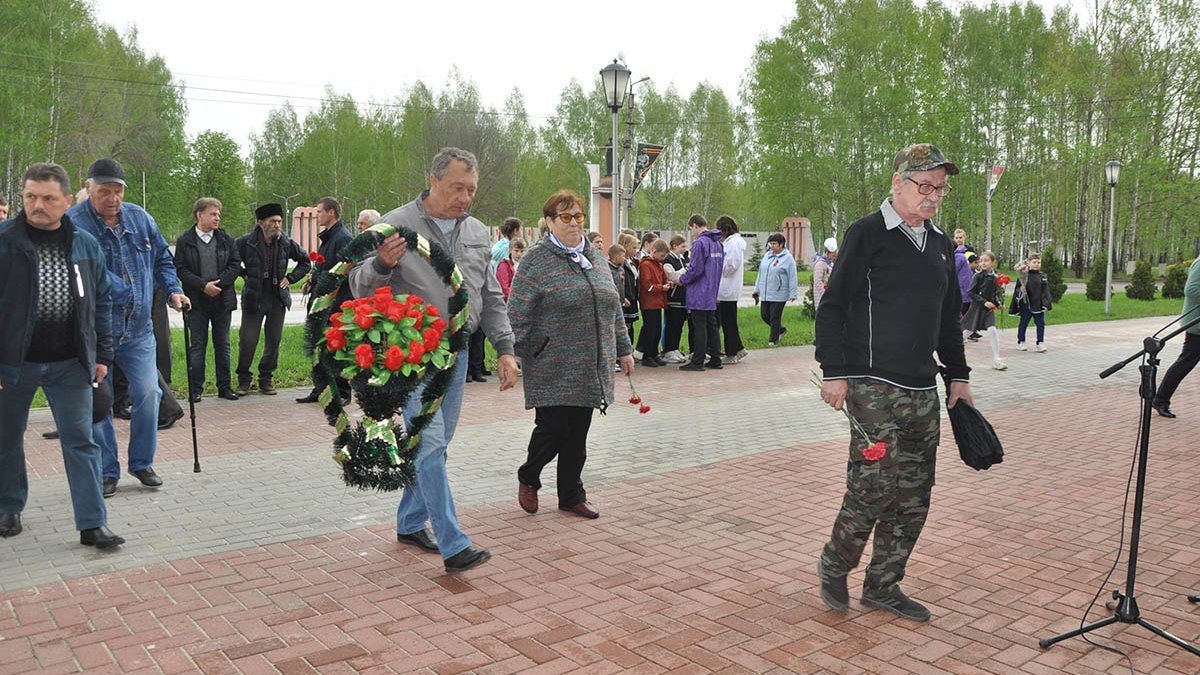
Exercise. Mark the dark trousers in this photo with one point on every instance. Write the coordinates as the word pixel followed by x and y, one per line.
pixel 1183 365
pixel 475 349
pixel 676 317
pixel 199 318
pixel 1039 320
pixel 651 332
pixel 728 312
pixel 271 324
pixel 560 431
pixel 162 334
pixel 629 328
pixel 705 331
pixel 772 315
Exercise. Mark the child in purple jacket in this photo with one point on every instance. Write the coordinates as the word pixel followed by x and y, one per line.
pixel 702 278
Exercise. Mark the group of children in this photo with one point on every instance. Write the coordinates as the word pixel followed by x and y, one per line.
pixel 982 297
pixel 640 275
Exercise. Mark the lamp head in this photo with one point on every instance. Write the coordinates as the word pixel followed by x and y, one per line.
pixel 1112 172
pixel 616 81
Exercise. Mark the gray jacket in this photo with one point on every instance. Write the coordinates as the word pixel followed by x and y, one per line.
pixel 471 248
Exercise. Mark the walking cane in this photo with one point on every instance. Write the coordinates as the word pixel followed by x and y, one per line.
pixel 187 349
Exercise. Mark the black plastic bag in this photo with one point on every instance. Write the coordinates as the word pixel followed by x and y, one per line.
pixel 977 442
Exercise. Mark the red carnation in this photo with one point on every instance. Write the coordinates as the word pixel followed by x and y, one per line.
pixel 336 320
pixel 364 356
pixel 414 314
pixel 395 311
pixel 644 409
pixel 364 321
pixel 415 351
pixel 349 304
pixel 313 255
pixel 438 324
pixel 635 399
pixel 875 452
pixel 384 290
pixel 335 339
pixel 393 358
pixel 415 300
pixel 432 311
pixel 432 339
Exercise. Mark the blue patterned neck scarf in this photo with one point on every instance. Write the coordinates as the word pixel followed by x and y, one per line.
pixel 576 252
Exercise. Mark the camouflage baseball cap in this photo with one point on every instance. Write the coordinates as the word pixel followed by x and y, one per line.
pixel 923 157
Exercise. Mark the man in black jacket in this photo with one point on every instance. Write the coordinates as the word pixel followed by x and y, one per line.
pixel 891 302
pixel 208 264
pixel 266 297
pixel 334 236
pixel 55 333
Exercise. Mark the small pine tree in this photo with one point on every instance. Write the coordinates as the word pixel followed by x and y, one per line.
pixel 1176 280
pixel 756 255
pixel 1095 284
pixel 809 308
pixel 1141 286
pixel 1052 267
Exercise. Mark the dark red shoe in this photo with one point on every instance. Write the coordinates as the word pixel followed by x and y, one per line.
pixel 584 509
pixel 527 497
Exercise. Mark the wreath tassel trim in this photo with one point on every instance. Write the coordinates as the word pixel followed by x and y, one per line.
pixel 373 453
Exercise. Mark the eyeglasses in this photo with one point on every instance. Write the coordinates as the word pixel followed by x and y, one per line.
pixel 927 188
pixel 565 218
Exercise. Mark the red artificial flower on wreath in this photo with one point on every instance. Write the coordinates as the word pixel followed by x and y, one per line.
pixel 336 320
pixel 364 356
pixel 432 339
pixel 432 311
pixel 335 338
pixel 393 358
pixel 384 290
pixel 348 304
pixel 415 351
pixel 364 321
pixel 414 314
pixel 395 311
pixel 417 300
pixel 875 452
pixel 438 324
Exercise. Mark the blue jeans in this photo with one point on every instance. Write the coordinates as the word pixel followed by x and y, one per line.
pixel 136 356
pixel 429 499
pixel 1039 320
pixel 68 389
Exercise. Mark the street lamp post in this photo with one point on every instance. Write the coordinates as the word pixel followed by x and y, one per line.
pixel 1112 171
pixel 616 79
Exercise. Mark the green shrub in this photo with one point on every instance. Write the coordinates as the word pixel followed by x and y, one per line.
pixel 1141 286
pixel 809 309
pixel 1052 267
pixel 1096 284
pixel 1176 279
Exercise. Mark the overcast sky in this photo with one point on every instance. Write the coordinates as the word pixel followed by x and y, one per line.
pixel 239 59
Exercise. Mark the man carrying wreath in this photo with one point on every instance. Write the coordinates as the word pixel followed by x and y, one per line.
pixel 441 215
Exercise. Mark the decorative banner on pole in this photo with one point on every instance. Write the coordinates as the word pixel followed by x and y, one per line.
pixel 647 155
pixel 994 180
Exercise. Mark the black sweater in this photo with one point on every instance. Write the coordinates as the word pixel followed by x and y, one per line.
pixel 889 305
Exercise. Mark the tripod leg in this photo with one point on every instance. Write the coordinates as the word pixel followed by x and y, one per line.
pixel 1162 633
pixel 1046 642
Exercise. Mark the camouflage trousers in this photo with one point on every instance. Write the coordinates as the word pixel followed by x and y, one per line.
pixel 889 495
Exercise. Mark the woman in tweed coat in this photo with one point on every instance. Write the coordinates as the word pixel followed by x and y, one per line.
pixel 569 329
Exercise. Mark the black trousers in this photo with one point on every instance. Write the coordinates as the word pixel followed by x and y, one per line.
pixel 727 309
pixel 199 319
pixel 772 315
pixel 651 332
pixel 270 323
pixel 475 349
pixel 560 431
pixel 676 317
pixel 705 331
pixel 1183 365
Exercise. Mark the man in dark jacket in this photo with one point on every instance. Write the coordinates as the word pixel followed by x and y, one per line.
pixel 891 301
pixel 55 333
pixel 334 236
pixel 266 297
pixel 208 265
pixel 702 279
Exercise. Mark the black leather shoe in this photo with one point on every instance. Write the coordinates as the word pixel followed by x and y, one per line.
pixel 311 398
pixel 100 537
pixel 109 486
pixel 714 364
pixel 899 604
pixel 422 539
pixel 650 363
pixel 466 559
pixel 228 395
pixel 265 387
pixel 195 397
pixel 148 477
pixel 694 367
pixel 478 377
pixel 167 424
pixel 243 389
pixel 1164 409
pixel 485 372
pixel 10 524
pixel 833 590
pixel 52 434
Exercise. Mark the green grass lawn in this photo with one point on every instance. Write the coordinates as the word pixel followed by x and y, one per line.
pixel 294 366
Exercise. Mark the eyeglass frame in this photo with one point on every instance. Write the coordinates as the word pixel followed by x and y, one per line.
pixel 927 189
pixel 577 217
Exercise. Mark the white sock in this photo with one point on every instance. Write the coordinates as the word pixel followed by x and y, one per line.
pixel 994 338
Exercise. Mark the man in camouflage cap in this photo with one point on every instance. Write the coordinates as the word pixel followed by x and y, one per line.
pixel 890 303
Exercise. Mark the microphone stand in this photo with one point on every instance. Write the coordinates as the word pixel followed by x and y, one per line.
pixel 1126 610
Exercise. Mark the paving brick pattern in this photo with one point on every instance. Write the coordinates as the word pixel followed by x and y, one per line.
pixel 715 506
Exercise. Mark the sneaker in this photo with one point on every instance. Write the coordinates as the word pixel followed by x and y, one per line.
pixel 772 344
pixel 999 364
pixel 673 356
pixel 782 331
pixel 833 590
pixel 973 338
pixel 694 367
pixel 729 360
pixel 265 387
pixel 742 354
pixel 1040 348
pixel 1021 347
pixel 714 364
pixel 637 354
pixel 897 603
pixel 243 389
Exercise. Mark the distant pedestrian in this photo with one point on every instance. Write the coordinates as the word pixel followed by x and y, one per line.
pixel 730 290
pixel 981 315
pixel 334 236
pixel 652 297
pixel 507 269
pixel 1190 355
pixel 677 314
pixel 630 277
pixel 962 267
pixel 776 285
pixel 1031 300
pixel 644 250
pixel 366 219
pixel 822 267
pixel 509 230
pixel 703 278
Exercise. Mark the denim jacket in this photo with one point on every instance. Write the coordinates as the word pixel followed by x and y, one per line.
pixel 138 260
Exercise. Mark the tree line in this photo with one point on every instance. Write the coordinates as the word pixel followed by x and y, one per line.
pixel 821 112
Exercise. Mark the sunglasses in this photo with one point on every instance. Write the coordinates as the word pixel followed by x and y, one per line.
pixel 928 189
pixel 565 218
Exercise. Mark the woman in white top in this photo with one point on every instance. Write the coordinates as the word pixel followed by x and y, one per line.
pixel 731 288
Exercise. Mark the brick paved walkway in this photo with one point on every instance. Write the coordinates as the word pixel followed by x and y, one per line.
pixel 715 506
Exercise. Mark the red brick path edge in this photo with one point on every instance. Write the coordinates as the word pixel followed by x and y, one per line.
pixel 708 569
